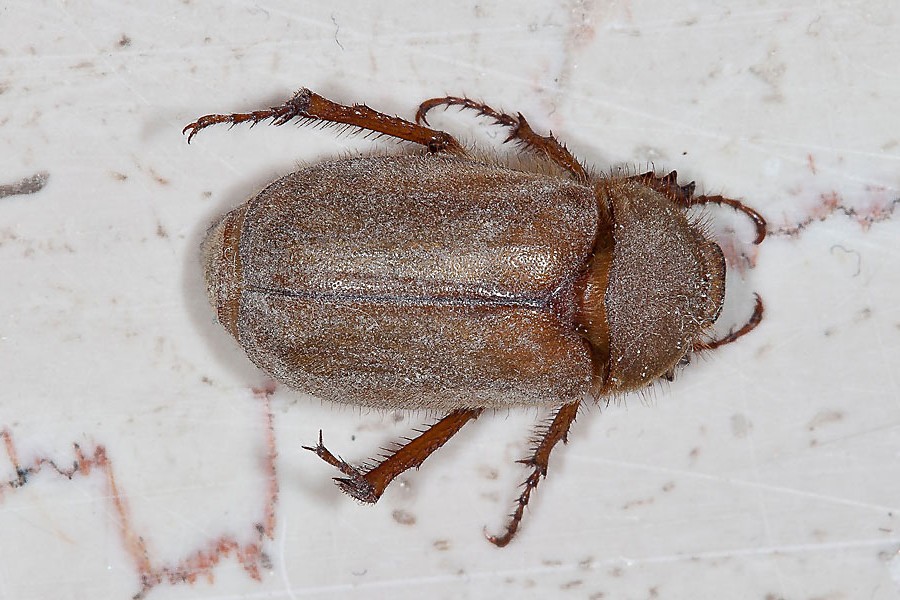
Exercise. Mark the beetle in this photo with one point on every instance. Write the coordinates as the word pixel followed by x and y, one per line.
pixel 444 281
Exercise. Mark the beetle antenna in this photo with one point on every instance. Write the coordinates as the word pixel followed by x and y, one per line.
pixel 758 220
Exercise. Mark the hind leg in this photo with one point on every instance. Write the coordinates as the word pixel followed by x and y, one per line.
pixel 313 107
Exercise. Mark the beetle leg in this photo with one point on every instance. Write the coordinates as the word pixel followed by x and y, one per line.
pixel 758 221
pixel 667 185
pixel 684 195
pixel 368 486
pixel 520 131
pixel 309 105
pixel 338 463
pixel 746 328
pixel 540 458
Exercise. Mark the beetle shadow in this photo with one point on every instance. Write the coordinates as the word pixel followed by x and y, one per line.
pixel 221 345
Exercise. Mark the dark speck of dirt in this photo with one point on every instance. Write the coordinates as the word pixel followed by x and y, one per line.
pixel 403 517
pixel 124 41
pixel 488 473
pixel 825 417
pixel 551 562
pixel 29 185
pixel 158 178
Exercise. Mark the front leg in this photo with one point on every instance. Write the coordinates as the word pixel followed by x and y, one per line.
pixel 313 107
pixel 520 131
pixel 684 196
pixel 751 324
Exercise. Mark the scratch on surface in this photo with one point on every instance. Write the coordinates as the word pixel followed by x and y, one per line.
pixel 763 510
pixel 337 28
pixel 533 571
pixel 283 562
pixel 740 482
pixel 853 252
pixel 831 204
pixel 197 563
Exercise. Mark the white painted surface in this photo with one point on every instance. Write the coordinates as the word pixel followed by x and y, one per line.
pixel 770 469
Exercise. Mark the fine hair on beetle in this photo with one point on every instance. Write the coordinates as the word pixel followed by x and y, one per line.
pixel 441 280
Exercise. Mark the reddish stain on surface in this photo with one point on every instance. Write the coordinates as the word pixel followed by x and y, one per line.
pixel 197 563
pixel 832 203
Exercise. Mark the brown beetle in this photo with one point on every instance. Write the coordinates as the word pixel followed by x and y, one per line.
pixel 441 281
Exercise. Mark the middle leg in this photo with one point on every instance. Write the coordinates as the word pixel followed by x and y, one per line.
pixel 520 131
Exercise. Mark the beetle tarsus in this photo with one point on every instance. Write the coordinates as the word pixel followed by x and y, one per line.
pixel 354 484
pixel 483 109
pixel 281 115
pixel 357 487
pixel 325 454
